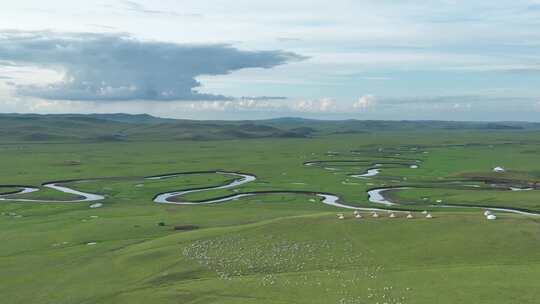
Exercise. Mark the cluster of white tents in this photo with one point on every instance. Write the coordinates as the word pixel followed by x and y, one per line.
pixel 374 214
pixel 490 216
pixel 356 214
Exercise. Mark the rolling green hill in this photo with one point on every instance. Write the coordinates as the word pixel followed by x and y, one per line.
pixel 125 127
pixel 283 245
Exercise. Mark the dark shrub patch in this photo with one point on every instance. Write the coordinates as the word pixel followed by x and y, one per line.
pixel 185 227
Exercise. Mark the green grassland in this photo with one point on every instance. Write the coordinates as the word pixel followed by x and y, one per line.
pixel 275 248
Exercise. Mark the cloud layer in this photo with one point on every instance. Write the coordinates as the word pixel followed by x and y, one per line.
pixel 117 67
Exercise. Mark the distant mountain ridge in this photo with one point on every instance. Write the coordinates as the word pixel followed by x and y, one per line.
pixel 118 117
pixel 127 127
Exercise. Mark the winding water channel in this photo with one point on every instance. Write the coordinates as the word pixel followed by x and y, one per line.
pixel 376 196
pixel 84 197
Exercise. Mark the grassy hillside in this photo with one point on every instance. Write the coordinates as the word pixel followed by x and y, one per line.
pixel 282 248
pixel 124 127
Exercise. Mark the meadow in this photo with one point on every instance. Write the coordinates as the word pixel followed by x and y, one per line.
pixel 275 248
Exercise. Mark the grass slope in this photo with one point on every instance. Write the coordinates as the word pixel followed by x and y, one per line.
pixel 123 127
pixel 274 248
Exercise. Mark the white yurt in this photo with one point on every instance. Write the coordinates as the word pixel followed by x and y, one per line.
pixel 392 215
pixel 429 216
pixel 358 216
pixel 375 214
pixel 487 213
pixel 499 169
pixel 341 216
pixel 410 216
pixel 491 217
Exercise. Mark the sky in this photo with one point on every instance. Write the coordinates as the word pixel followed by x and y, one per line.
pixel 244 59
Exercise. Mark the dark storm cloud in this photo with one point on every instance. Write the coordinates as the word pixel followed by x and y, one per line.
pixel 116 67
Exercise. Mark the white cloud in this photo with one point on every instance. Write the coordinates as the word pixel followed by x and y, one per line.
pixel 462 106
pixel 365 102
pixel 322 105
pixel 231 105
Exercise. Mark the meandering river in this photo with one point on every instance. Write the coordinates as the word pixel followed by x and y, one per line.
pixel 376 196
